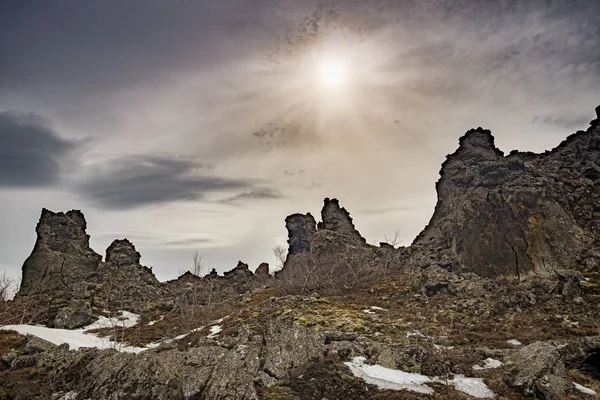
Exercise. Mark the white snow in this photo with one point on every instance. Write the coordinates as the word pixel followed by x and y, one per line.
pixel 387 378
pixel 514 342
pixel 76 338
pixel 125 320
pixel 488 363
pixel 214 331
pixel 367 311
pixel 157 320
pixel 583 389
pixel 471 386
pixel 377 308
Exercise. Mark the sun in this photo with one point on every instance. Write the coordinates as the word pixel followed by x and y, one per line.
pixel 332 72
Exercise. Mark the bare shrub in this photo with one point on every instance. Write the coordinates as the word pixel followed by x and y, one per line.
pixel 280 253
pixel 331 268
pixel 195 304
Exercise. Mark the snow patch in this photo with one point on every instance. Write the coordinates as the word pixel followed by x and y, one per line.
pixel 157 320
pixel 367 311
pixel 76 338
pixel 387 378
pixel 471 386
pixel 125 320
pixel 214 331
pixel 488 363
pixel 377 308
pixel 584 390
pixel 514 342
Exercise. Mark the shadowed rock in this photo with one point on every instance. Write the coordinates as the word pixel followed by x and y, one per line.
pixel 337 219
pixel 61 256
pixel 516 215
pixel 122 252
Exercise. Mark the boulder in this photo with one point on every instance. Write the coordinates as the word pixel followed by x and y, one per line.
pixel 77 314
pixel 537 370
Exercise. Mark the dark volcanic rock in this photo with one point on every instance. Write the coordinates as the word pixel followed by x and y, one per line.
pixel 332 252
pixel 515 215
pixel 301 230
pixel 337 219
pixel 122 252
pixel 241 278
pixel 61 257
pixel 78 313
pixel 262 272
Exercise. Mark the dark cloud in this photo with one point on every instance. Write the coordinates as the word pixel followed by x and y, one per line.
pixel 255 194
pixel 144 180
pixel 31 153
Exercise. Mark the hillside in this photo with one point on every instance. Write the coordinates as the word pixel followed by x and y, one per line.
pixel 498 297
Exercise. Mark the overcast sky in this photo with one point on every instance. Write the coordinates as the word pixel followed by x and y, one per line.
pixel 202 124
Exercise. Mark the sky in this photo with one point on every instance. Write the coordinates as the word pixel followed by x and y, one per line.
pixel 200 125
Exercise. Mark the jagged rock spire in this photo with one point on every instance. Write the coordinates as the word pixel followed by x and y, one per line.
pixel 61 256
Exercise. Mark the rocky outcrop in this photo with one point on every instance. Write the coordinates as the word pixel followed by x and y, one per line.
pixel 336 219
pixel 262 272
pixel 301 231
pixel 241 278
pixel 61 257
pixel 122 252
pixel 515 215
pixel 331 251
pixel 68 279
pixel 127 283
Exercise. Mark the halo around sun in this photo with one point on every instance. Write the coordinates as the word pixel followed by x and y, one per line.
pixel 332 72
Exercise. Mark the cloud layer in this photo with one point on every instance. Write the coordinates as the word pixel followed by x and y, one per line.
pixel 31 153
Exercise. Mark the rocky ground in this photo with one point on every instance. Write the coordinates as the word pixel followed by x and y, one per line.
pixel 499 296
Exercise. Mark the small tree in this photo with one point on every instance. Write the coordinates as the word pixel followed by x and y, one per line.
pixel 280 253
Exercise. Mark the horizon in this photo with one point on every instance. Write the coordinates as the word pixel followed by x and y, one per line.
pixel 199 128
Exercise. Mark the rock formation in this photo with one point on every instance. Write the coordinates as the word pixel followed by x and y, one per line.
pixel 262 272
pixel 336 219
pixel 519 214
pixel 61 257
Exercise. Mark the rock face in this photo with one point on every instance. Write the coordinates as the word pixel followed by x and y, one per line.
pixel 330 251
pixel 62 256
pixel 516 215
pixel 122 252
pixel 78 313
pixel 262 272
pixel 338 220
pixel 301 231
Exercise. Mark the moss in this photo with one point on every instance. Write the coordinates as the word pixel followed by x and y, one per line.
pixel 334 316
pixel 278 393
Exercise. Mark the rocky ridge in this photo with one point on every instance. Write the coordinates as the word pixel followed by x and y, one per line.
pixel 511 251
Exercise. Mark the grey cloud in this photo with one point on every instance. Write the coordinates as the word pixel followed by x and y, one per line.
pixel 157 240
pixel 144 180
pixel 567 122
pixel 31 153
pixel 256 194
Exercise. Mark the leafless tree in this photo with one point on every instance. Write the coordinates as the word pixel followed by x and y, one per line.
pixel 280 253
pixel 7 287
pixel 393 240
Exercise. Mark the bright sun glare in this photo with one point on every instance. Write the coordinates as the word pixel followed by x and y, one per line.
pixel 332 72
